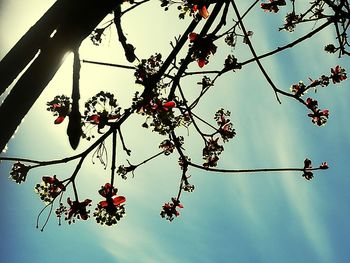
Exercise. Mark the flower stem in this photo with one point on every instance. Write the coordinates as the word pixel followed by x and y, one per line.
pixel 114 155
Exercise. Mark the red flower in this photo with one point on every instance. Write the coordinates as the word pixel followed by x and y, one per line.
pixel 59 119
pixel 202 48
pixel 169 105
pixel 55 186
pixel 201 62
pixel 60 106
pixel 204 12
pixel 109 192
pixel 101 119
pixel 110 210
pixel 77 209
pixel 95 119
pixel 116 201
pixel 338 74
pixel 192 36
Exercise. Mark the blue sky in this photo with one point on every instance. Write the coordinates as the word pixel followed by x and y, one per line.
pixel 228 218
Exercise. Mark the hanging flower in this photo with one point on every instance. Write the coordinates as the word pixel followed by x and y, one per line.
pixel 204 12
pixel 338 74
pixel 202 48
pixel 167 146
pixel 148 68
pixel 226 129
pixel 19 172
pixel 49 188
pixel 308 175
pixel 101 119
pixel 77 210
pixel 319 117
pixel 311 104
pixel 290 21
pixel 60 106
pixel 101 110
pixel 110 210
pixel 169 209
pixel 124 170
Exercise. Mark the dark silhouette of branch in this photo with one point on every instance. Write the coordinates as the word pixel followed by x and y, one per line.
pixel 74 130
pixel 107 64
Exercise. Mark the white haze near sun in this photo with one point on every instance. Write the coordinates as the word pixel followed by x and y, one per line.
pixel 228 218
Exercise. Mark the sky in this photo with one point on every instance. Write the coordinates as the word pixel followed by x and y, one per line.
pixel 270 217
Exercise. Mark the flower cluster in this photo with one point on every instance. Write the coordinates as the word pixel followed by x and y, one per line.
pixel 231 39
pixel 167 146
pixel 307 166
pixel 190 7
pixel 101 110
pixel 160 113
pixel 49 188
pixel 205 83
pixel 110 210
pixel 169 209
pixel 211 152
pixel 186 186
pixel 60 211
pixel 212 148
pixel 147 68
pixel 231 63
pixel 308 174
pixel 19 172
pixel 298 89
pixel 97 35
pixel 202 48
pixel 290 22
pixel 225 125
pixel 60 106
pixel 338 74
pixel 330 48
pixel 273 5
pixel 200 8
pixel 124 170
pixel 318 117
pixel 183 162
pixel 77 210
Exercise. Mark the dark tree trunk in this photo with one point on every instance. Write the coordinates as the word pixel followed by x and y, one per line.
pixel 28 46
pixel 75 22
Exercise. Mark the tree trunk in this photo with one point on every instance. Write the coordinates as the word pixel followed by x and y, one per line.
pixel 28 46
pixel 76 22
